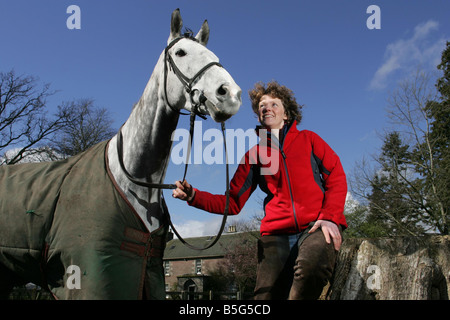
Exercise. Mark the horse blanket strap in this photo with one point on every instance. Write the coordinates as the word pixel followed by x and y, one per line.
pixel 70 213
pixel 147 245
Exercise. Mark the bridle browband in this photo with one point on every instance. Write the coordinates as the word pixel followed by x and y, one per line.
pixel 187 83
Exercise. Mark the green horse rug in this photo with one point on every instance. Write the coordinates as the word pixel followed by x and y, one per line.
pixel 66 226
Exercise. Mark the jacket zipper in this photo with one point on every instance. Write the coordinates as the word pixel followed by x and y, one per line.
pixel 290 189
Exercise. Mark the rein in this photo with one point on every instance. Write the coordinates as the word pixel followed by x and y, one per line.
pixel 194 111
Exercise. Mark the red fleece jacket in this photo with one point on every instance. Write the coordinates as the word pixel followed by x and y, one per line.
pixel 306 183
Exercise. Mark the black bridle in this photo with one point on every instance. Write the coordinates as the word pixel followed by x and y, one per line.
pixel 187 83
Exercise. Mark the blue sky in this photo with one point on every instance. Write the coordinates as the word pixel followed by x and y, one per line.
pixel 339 69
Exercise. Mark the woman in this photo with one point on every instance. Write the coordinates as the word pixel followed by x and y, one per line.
pixel 303 222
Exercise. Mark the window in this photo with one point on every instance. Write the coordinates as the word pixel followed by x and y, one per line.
pixel 198 266
pixel 167 268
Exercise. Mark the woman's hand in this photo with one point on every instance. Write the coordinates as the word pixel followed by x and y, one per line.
pixel 184 191
pixel 330 231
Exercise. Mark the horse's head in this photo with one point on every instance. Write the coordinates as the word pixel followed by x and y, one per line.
pixel 193 76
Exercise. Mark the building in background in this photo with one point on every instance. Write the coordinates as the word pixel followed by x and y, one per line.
pixel 190 271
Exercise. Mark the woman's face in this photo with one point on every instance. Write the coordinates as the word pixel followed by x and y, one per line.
pixel 271 112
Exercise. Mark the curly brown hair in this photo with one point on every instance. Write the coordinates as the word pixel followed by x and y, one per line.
pixel 275 90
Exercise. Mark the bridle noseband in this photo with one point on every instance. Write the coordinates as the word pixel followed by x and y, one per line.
pixel 187 83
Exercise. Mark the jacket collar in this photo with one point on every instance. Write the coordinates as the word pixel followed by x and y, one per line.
pixel 286 134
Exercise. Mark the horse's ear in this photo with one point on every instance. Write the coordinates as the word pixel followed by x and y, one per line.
pixel 175 25
pixel 203 35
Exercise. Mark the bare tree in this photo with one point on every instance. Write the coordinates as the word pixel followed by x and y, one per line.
pixel 246 225
pixel 238 268
pixel 408 109
pixel 403 176
pixel 24 120
pixel 85 126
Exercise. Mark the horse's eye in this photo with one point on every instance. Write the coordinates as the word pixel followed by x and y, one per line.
pixel 180 53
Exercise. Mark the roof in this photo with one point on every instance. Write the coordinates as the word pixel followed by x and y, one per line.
pixel 176 250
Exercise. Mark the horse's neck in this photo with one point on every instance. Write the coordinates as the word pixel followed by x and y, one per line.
pixel 146 151
pixel 147 138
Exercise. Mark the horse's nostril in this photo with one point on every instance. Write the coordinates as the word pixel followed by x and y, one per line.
pixel 222 90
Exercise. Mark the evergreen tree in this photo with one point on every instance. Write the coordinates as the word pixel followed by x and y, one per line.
pixel 391 204
pixel 434 165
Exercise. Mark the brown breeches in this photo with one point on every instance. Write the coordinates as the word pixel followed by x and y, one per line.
pixel 294 272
